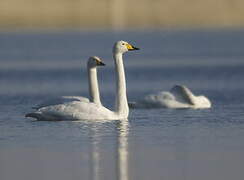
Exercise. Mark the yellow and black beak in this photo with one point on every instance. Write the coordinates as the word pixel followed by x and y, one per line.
pixel 100 63
pixel 131 48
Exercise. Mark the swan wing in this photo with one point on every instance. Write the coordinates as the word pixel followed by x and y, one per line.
pixel 72 111
pixel 61 100
pixel 182 93
pixel 75 98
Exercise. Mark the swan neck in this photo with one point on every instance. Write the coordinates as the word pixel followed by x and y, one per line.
pixel 93 86
pixel 121 104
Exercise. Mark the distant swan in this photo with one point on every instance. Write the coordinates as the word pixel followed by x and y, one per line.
pixel 178 97
pixel 92 64
pixel 78 110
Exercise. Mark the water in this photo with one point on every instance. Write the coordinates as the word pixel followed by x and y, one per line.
pixel 153 144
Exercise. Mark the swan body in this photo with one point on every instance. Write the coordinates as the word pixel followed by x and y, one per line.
pixel 178 97
pixel 92 64
pixel 73 111
pixel 80 110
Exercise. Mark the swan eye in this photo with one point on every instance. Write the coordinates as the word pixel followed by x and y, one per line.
pixel 123 44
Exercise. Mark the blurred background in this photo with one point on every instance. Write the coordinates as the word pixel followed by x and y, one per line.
pixel 117 14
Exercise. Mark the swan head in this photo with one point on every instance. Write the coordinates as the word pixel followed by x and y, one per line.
pixel 123 46
pixel 94 61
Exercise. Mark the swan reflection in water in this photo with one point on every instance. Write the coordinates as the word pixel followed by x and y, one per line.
pixel 121 151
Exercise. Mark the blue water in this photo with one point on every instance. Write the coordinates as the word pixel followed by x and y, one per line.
pixel 153 144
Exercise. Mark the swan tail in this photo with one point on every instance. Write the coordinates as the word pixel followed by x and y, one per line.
pixel 36 115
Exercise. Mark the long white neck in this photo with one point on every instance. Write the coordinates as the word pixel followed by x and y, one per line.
pixel 190 96
pixel 121 104
pixel 93 85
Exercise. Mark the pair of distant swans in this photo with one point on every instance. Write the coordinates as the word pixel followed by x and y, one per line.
pixel 81 108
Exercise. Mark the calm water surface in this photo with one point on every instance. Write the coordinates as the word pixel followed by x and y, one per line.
pixel 152 144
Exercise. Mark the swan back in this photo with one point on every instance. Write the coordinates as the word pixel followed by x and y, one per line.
pixel 60 100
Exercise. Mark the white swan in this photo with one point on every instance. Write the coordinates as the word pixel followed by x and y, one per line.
pixel 92 64
pixel 178 97
pixel 78 110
